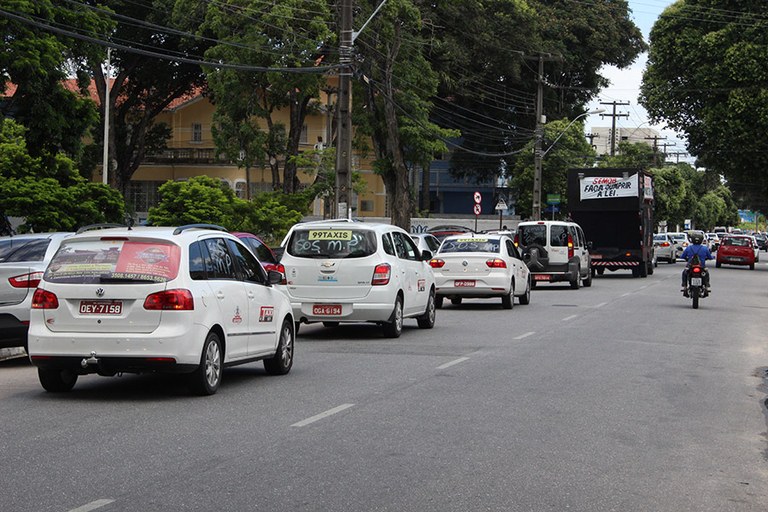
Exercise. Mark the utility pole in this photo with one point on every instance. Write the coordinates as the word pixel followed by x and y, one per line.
pixel 105 165
pixel 592 137
pixel 665 146
pixel 655 140
pixel 344 141
pixel 613 117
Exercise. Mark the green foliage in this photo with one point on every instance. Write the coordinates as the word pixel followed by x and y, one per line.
pixel 630 155
pixel 27 189
pixel 203 199
pixel 706 77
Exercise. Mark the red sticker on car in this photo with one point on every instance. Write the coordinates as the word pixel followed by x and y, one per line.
pixel 267 313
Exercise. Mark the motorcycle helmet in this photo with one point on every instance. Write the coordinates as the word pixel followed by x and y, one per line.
pixel 697 238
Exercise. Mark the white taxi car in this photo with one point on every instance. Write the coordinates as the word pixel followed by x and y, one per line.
pixel 480 266
pixel 179 300
pixel 343 271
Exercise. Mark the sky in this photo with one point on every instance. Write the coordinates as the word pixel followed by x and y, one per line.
pixel 625 83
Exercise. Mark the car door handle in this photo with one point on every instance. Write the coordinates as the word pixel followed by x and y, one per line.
pixel 251 295
pixel 219 295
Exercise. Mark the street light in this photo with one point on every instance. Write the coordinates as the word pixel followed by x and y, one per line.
pixel 538 156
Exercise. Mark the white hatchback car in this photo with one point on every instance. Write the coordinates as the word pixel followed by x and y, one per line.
pixel 173 300
pixel 555 251
pixel 480 266
pixel 357 272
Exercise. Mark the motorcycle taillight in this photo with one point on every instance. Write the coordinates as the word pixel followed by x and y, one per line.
pixel 696 270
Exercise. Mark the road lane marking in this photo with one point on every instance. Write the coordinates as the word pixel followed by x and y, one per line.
pixel 569 318
pixel 601 305
pixel 318 417
pixel 524 335
pixel 92 505
pixel 451 363
pixel 627 294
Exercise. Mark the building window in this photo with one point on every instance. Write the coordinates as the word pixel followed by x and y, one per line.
pixel 197 132
pixel 142 195
pixel 240 189
pixel 304 135
pixel 366 205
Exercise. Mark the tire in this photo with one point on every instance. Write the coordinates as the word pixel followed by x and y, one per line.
pixel 576 283
pixel 508 301
pixel 672 261
pixel 588 280
pixel 718 264
pixel 536 257
pixel 643 269
pixel 56 381
pixel 695 297
pixel 331 324
pixel 439 302
pixel 282 361
pixel 456 301
pixel 600 271
pixel 525 299
pixel 635 272
pixel 427 320
pixel 296 327
pixel 751 266
pixel 205 380
pixel 394 327
pixel 650 269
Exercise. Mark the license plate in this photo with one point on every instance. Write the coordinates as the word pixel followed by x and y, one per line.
pixel 465 283
pixel 695 281
pixel 101 307
pixel 326 309
pixel 541 277
pixel 596 256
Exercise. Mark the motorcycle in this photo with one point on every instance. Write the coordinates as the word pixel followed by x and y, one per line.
pixel 696 289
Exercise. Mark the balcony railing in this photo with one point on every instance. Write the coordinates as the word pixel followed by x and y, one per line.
pixel 187 156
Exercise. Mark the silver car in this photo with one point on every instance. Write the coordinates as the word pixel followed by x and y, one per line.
pixel 664 247
pixel 23 259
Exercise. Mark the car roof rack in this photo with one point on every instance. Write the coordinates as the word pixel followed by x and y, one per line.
pixel 181 229
pixel 92 227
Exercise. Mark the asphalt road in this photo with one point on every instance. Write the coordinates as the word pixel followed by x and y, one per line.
pixel 618 397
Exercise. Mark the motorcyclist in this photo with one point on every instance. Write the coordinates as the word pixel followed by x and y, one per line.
pixel 702 252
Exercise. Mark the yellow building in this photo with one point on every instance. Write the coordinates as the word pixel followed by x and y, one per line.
pixel 191 152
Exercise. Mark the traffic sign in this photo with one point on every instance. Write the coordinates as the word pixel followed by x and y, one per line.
pixel 553 198
pixel 501 205
pixel 478 209
pixel 478 198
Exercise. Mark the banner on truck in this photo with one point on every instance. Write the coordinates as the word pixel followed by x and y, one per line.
pixel 608 187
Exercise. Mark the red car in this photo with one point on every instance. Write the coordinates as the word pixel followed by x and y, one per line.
pixel 264 254
pixel 736 250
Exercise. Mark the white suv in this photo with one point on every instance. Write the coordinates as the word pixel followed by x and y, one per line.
pixel 555 251
pixel 357 272
pixel 178 300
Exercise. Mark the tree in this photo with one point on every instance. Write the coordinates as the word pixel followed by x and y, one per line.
pixel 631 155
pixel 571 150
pixel 706 78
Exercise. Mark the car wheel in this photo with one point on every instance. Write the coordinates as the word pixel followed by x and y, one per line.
pixel 600 271
pixel 394 327
pixel 281 362
pixel 672 260
pixel 439 302
pixel 751 266
pixel 588 280
pixel 331 324
pixel 718 264
pixel 456 301
pixel 427 320
pixel 56 381
pixel 508 301
pixel 526 297
pixel 576 282
pixel 205 380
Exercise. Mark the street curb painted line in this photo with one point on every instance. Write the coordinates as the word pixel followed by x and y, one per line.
pixel 569 318
pixel 92 505
pixel 451 363
pixel 524 335
pixel 317 417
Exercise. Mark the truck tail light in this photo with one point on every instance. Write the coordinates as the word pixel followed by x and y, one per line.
pixel 496 263
pixel 570 247
pixel 436 263
pixel 170 300
pixel 43 299
pixel 30 280
pixel 381 274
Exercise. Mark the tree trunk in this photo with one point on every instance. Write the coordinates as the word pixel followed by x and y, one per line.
pixel 298 111
pixel 424 206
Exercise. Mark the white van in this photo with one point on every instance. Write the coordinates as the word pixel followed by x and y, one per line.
pixel 555 251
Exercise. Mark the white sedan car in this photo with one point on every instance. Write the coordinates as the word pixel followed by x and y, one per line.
pixel 480 266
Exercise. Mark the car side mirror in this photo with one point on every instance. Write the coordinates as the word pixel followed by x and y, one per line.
pixel 426 255
pixel 274 277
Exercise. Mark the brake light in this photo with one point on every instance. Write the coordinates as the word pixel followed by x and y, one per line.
pixel 170 300
pixel 516 240
pixel 43 299
pixel 496 263
pixel 381 274
pixel 30 280
pixel 281 268
pixel 696 270
pixel 570 247
pixel 665 244
pixel 436 263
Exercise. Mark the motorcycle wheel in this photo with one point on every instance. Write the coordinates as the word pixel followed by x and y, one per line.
pixel 695 297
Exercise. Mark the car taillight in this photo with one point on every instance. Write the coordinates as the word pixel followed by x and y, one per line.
pixel 516 240
pixel 570 247
pixel 43 299
pixel 170 300
pixel 496 263
pixel 281 268
pixel 30 280
pixel 381 274
pixel 436 263
pixel 665 244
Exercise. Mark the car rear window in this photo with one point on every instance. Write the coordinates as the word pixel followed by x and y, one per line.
pixel 533 235
pixel 114 261
pixel 469 245
pixel 741 242
pixel 29 250
pixel 332 243
pixel 558 235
